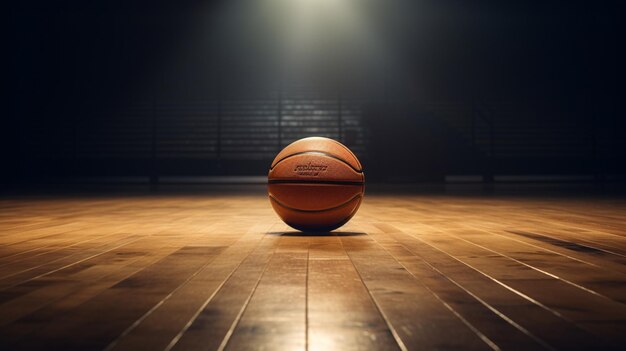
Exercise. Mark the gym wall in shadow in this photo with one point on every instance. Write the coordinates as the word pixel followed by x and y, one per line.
pixel 154 89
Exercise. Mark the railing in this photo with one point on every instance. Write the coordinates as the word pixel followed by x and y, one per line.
pixel 157 136
pixel 239 129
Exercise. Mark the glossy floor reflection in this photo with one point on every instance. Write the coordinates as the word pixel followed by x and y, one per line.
pixel 220 271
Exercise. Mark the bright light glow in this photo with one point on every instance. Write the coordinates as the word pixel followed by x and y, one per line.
pixel 324 35
pixel 305 40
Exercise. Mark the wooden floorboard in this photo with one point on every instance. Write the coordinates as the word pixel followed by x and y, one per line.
pixel 214 321
pixel 341 312
pixel 219 270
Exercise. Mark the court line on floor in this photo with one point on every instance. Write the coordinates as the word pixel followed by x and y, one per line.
pixel 73 264
pixel 513 290
pixel 481 301
pixel 50 251
pixel 243 309
pixel 521 294
pixel 160 303
pixel 188 325
pixel 155 307
pixel 544 248
pixel 539 247
pixel 392 329
pixel 486 339
pixel 306 299
pixel 536 269
pixel 588 244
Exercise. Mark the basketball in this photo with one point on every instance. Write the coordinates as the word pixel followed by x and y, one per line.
pixel 316 184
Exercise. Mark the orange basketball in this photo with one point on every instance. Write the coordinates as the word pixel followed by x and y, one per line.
pixel 316 184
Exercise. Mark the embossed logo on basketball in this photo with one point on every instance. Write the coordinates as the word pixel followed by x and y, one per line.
pixel 310 169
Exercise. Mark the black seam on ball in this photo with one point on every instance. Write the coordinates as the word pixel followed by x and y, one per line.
pixel 313 211
pixel 315 152
pixel 301 181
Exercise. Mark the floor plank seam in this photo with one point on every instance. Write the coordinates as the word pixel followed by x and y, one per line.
pixel 180 334
pixel 481 301
pixel 243 309
pixel 393 331
pixel 538 270
pixel 515 291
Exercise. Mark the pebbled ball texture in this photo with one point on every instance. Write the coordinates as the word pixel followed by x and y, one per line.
pixel 316 184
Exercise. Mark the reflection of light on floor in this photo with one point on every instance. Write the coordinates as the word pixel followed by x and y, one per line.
pixel 326 340
pixel 214 266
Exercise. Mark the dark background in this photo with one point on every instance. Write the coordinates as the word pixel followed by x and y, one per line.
pixel 420 90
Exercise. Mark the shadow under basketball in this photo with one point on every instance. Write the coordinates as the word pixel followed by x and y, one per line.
pixel 314 233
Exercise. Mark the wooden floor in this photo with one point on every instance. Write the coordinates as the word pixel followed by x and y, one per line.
pixel 220 271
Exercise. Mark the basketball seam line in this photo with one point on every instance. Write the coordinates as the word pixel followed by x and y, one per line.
pixel 336 142
pixel 349 151
pixel 315 152
pixel 313 211
pixel 338 225
pixel 299 181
